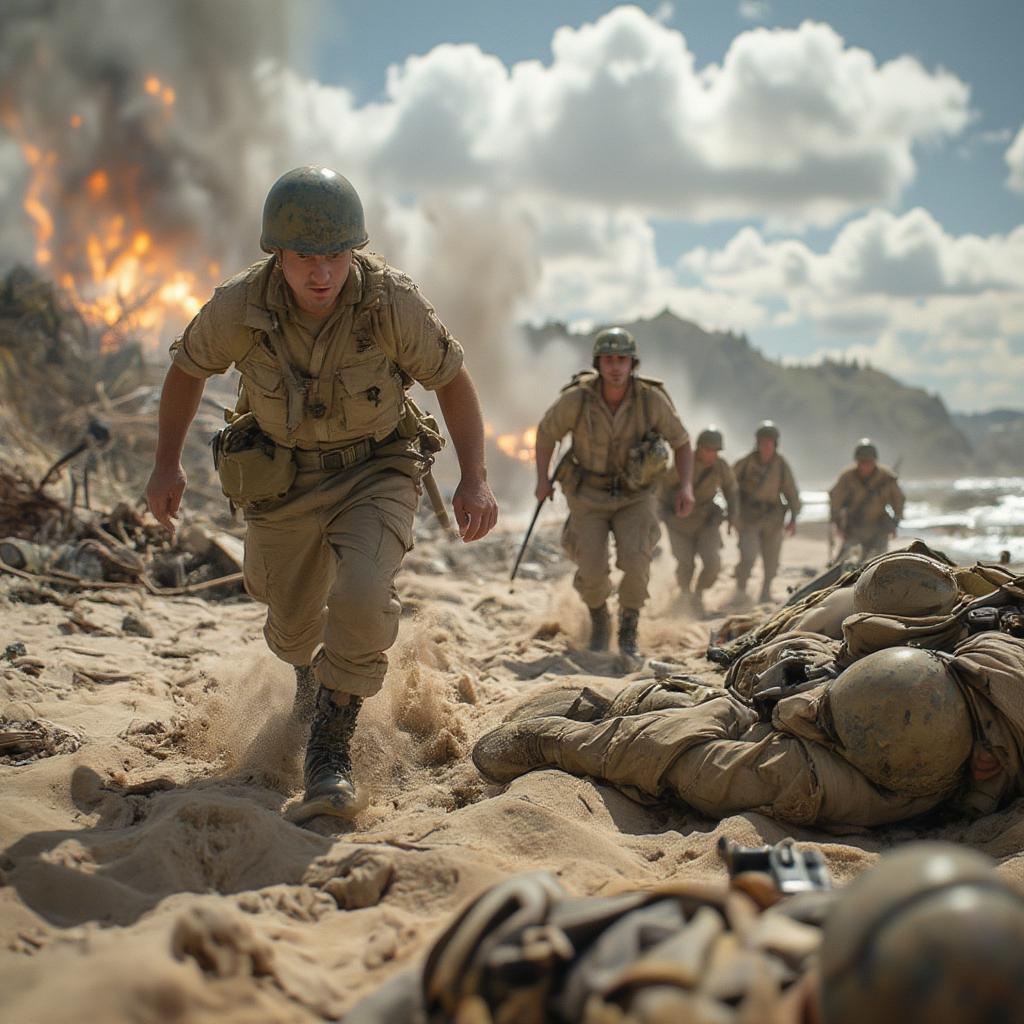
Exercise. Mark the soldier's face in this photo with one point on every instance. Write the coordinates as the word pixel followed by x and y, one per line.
pixel 615 370
pixel 315 281
pixel 706 455
pixel 765 447
pixel 865 467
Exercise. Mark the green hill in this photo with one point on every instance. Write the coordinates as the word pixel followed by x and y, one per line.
pixel 821 410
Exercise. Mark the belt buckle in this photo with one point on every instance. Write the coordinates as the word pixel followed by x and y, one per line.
pixel 332 460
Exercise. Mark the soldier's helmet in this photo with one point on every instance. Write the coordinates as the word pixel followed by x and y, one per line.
pixel 614 341
pixel 907 585
pixel 767 429
pixel 865 449
pixel 902 721
pixel 710 437
pixel 930 935
pixel 313 211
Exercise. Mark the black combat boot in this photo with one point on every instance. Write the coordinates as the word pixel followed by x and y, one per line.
pixel 629 622
pixel 305 694
pixel 327 771
pixel 600 628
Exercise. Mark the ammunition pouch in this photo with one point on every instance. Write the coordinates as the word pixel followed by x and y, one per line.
pixel 647 460
pixel 251 466
pixel 421 426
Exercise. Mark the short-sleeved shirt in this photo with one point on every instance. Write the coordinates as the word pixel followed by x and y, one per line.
pixel 601 439
pixel 857 502
pixel 763 487
pixel 352 366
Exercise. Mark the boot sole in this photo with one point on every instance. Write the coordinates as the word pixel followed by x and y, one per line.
pixel 337 805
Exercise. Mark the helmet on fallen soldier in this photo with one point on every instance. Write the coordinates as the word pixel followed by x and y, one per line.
pixel 906 585
pixel 902 721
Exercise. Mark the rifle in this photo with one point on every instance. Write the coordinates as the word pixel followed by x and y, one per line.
pixel 791 870
pixel 536 512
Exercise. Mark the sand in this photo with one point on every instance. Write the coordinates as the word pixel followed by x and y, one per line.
pixel 151 875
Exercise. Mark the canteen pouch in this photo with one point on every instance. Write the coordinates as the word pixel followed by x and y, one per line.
pixel 251 466
pixel 647 460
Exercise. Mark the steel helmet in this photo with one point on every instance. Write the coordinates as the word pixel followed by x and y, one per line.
pixel 313 211
pixel 929 935
pixel 614 341
pixel 865 449
pixel 906 585
pixel 710 437
pixel 767 429
pixel 902 721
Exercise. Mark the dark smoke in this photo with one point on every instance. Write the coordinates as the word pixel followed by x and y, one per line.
pixel 191 175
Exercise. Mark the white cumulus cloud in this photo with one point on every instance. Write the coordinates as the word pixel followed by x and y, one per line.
pixel 1015 158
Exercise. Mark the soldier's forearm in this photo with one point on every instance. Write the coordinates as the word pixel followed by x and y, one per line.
pixel 684 464
pixel 543 456
pixel 460 408
pixel 179 401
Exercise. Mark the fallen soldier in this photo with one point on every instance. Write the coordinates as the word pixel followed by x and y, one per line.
pixel 896 734
pixel 931 934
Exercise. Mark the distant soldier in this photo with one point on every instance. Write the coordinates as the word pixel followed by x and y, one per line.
pixel 699 533
pixel 767 490
pixel 866 504
pixel 621 424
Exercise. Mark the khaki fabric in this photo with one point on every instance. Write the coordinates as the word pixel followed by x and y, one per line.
pixel 601 439
pixel 721 758
pixel 698 535
pixel 810 649
pixel 323 560
pixel 352 368
pixel 688 547
pixel 631 519
pixel 763 487
pixel 990 666
pixel 718 478
pixel 762 538
pixel 860 505
pixel 685 952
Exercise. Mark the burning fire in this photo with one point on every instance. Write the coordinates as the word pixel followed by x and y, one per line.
pixel 518 446
pixel 104 252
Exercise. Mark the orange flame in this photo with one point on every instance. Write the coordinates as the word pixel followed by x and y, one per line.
pixel 106 256
pixel 518 446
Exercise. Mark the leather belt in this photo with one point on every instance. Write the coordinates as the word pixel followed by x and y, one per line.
pixel 341 458
pixel 601 481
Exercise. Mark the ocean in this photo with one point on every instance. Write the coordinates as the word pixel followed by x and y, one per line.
pixel 970 519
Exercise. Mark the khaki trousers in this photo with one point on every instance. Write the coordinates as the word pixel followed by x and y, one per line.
pixel 687 546
pixel 631 518
pixel 720 759
pixel 760 537
pixel 323 560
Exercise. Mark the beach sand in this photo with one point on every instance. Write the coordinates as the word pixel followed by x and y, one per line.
pixel 151 875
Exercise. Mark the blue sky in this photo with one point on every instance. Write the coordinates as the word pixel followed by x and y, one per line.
pixel 910 265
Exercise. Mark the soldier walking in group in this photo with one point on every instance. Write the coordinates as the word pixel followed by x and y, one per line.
pixel 866 504
pixel 767 490
pixel 622 426
pixel 325 452
pixel 699 534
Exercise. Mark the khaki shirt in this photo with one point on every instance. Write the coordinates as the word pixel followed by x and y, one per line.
pixel 601 439
pixel 348 379
pixel 707 482
pixel 859 503
pixel 763 486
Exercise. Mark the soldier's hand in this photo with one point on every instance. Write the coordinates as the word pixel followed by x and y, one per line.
pixel 544 490
pixel 684 502
pixel 163 492
pixel 475 509
pixel 790 528
pixel 983 764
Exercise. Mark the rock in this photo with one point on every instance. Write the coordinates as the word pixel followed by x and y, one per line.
pixel 133 625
